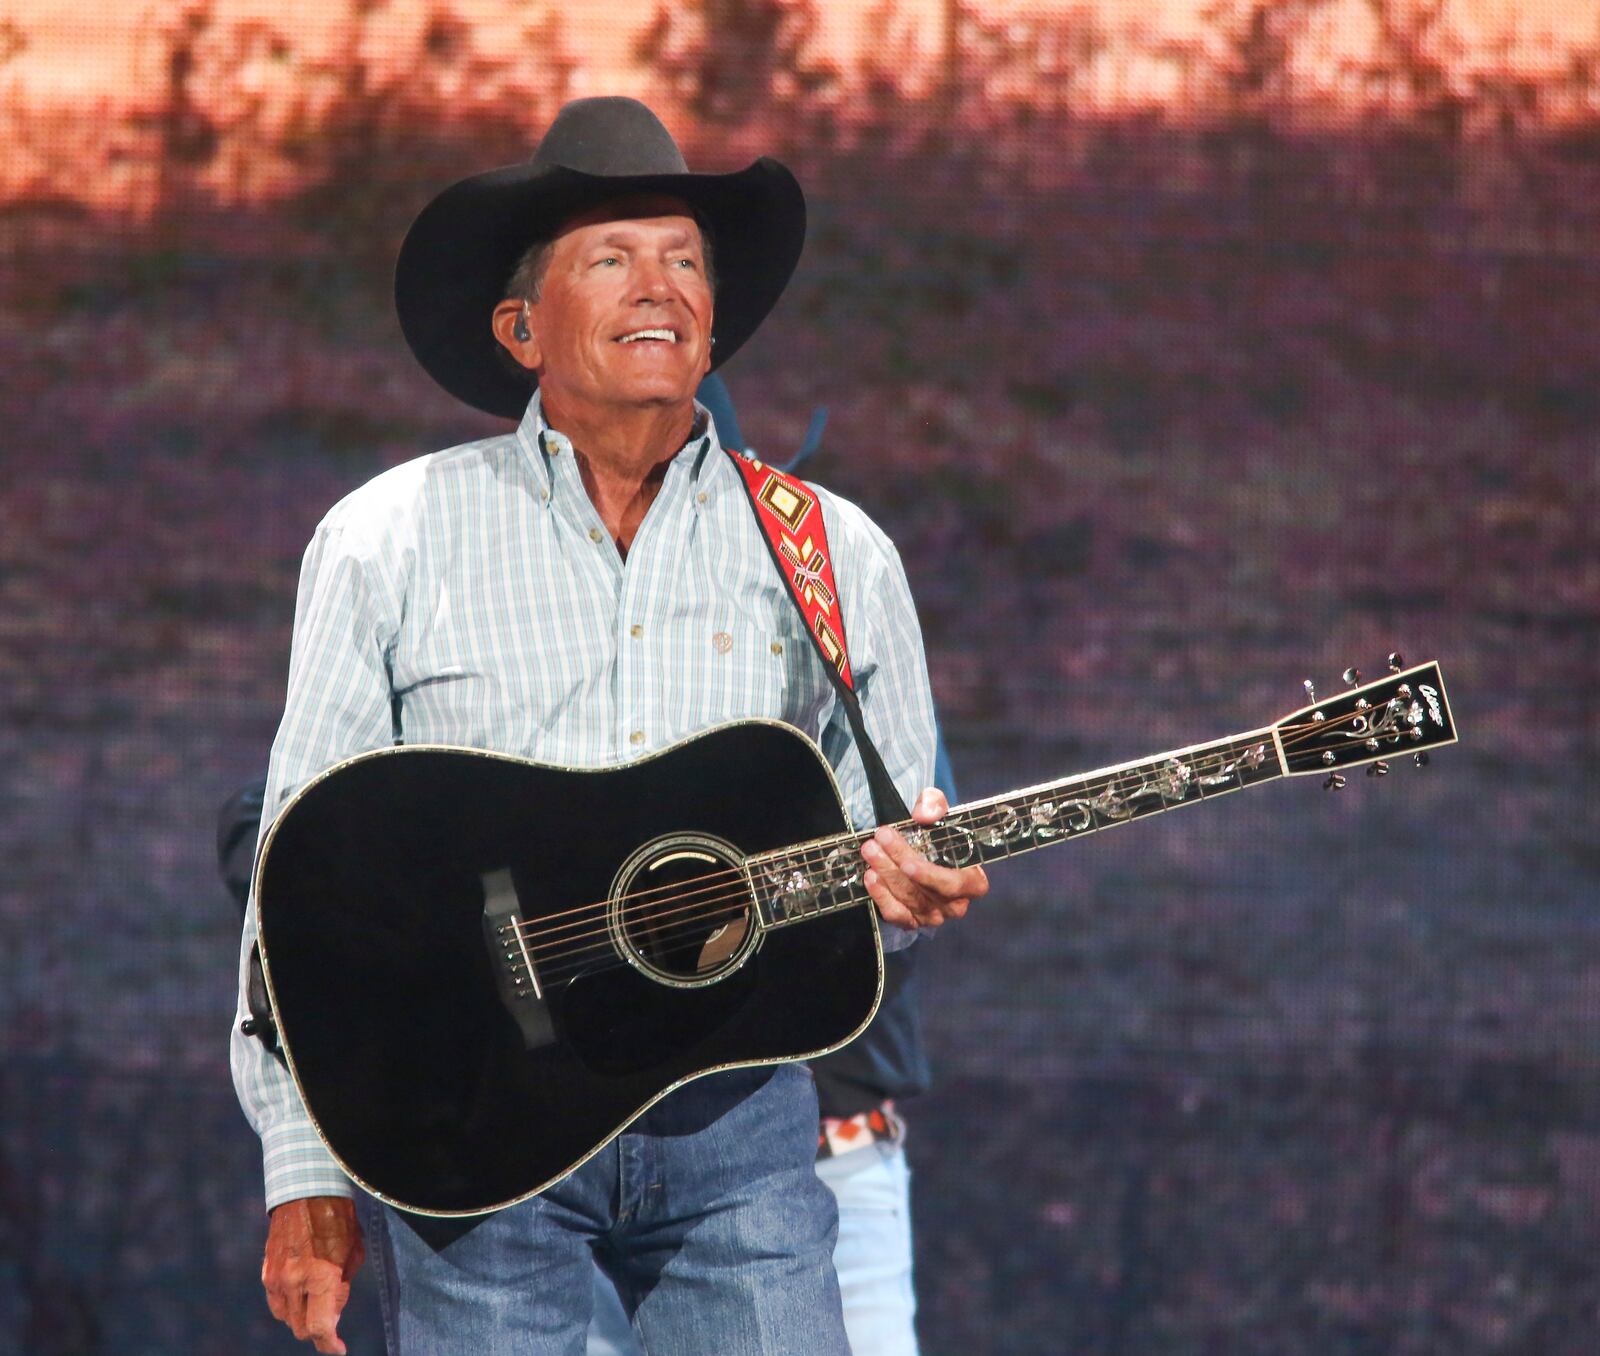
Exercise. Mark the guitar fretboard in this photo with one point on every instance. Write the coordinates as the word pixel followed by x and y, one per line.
pixel 823 876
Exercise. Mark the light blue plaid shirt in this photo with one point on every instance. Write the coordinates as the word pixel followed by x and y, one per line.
pixel 474 597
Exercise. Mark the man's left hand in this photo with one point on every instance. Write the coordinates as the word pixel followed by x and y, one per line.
pixel 909 890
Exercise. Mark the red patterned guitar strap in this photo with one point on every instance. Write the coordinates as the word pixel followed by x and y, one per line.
pixel 790 518
pixel 791 521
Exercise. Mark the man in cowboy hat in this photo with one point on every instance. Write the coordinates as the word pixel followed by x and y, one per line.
pixel 582 591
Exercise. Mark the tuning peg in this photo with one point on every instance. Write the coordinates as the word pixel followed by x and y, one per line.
pixel 1397 661
pixel 1311 689
pixel 1420 759
pixel 1352 676
pixel 1334 782
pixel 1378 769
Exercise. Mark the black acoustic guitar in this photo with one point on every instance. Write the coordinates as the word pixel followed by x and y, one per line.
pixel 483 968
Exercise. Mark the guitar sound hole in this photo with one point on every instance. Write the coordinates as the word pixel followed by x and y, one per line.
pixel 681 911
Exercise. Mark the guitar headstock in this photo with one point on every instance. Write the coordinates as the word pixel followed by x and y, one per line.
pixel 1404 712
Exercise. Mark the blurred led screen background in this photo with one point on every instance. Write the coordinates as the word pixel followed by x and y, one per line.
pixel 1186 349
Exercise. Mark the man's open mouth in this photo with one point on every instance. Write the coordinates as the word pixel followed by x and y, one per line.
pixel 670 336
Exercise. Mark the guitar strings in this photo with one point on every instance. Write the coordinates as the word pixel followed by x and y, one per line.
pixel 729 874
pixel 686 934
pixel 672 942
pixel 583 914
pixel 702 905
pixel 695 900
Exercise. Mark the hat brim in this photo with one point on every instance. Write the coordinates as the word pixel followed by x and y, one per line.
pixel 461 249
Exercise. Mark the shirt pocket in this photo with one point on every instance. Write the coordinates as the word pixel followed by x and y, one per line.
pixel 720 666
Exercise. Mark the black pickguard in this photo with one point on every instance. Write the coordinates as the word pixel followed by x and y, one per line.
pixel 370 897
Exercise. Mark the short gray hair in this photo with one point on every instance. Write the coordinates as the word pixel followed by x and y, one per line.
pixel 527 277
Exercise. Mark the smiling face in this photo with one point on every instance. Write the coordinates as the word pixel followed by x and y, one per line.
pixel 624 314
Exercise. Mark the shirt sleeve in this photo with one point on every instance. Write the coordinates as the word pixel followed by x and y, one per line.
pixel 338 704
pixel 891 678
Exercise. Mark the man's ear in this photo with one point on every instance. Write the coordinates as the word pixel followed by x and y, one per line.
pixel 510 321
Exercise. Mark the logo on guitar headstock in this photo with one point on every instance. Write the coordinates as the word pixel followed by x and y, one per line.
pixel 1406 711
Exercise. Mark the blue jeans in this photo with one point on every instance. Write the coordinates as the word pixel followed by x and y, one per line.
pixel 706 1213
pixel 873 1259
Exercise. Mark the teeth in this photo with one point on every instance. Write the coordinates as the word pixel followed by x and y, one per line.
pixel 668 335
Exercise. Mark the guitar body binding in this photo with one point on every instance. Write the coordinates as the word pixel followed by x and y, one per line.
pixel 395 895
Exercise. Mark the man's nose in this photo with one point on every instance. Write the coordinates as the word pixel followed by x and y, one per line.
pixel 651 283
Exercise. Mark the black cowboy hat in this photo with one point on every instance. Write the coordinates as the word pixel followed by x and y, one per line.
pixel 460 251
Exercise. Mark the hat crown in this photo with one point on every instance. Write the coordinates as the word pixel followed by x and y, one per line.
pixel 609 135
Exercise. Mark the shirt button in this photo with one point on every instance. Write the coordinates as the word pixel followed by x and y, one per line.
pixel 637 737
pixel 596 535
pixel 701 497
pixel 722 642
pixel 777 647
pixel 636 630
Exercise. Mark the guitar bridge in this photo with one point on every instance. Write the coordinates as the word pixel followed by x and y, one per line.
pixel 516 977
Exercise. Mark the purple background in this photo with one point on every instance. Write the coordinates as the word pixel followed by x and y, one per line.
pixel 1165 414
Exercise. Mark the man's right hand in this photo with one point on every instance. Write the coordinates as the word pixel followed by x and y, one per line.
pixel 314 1248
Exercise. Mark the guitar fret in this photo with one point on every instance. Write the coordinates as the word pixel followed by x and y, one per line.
pixel 808 881
pixel 1086 804
pixel 824 876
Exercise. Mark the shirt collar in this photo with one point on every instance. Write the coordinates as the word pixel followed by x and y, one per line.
pixel 701 453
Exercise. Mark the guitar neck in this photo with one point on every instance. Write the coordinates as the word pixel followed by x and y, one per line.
pixel 821 877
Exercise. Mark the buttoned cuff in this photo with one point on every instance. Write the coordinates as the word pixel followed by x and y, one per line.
pixel 297 1164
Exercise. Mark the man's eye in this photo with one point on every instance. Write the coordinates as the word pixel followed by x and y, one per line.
pixel 609 259
pixel 685 263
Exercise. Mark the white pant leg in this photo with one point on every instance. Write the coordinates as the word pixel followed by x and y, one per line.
pixel 610 1333
pixel 873 1255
